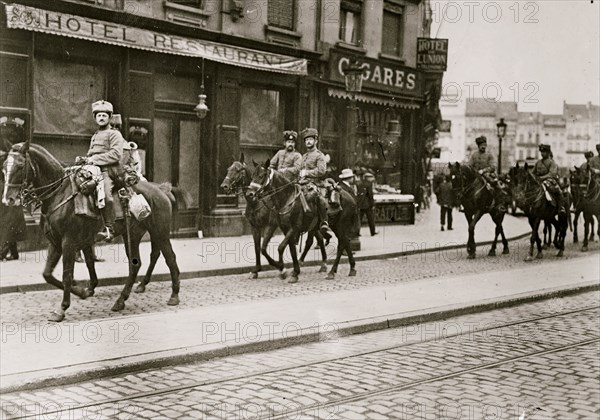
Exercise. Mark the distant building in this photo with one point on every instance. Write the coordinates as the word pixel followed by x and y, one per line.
pixel 481 117
pixel 582 129
pixel 453 144
pixel 555 134
pixel 529 135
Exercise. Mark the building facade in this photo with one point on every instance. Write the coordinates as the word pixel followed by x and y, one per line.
pixel 274 66
pixel 453 144
pixel 530 130
pixel 582 129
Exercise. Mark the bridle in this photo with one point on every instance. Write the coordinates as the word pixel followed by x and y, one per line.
pixel 259 191
pixel 239 183
pixel 28 194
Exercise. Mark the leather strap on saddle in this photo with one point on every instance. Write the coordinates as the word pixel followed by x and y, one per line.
pixel 304 202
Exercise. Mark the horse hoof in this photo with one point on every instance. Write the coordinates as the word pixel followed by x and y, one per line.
pixel 118 306
pixel 330 276
pixel 352 273
pixel 57 316
pixel 323 268
pixel 253 275
pixel 539 256
pixel 283 274
pixel 173 301
pixel 492 253
pixel 560 253
pixel 528 258
pixel 584 249
pixel 505 251
pixel 293 279
pixel 471 256
pixel 89 292
pixel 301 263
pixel 80 292
pixel 140 288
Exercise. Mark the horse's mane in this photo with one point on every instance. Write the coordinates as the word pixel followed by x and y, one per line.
pixel 41 155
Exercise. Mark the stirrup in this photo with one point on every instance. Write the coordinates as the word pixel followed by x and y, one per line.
pixel 106 235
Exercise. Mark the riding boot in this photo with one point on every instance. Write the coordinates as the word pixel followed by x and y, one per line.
pixel 109 219
pixel 322 209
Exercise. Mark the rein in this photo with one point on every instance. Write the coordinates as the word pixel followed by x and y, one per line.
pixel 288 205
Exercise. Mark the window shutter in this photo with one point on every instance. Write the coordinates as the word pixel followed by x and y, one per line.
pixel 281 13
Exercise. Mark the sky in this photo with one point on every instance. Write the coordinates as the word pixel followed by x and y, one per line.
pixel 537 53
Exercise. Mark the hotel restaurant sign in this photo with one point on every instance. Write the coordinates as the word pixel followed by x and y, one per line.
pixel 62 24
pixel 380 75
pixel 432 54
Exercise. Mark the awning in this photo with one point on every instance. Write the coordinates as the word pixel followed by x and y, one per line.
pixel 62 24
pixel 390 101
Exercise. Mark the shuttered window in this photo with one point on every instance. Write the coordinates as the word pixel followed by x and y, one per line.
pixel 281 14
pixel 392 30
pixel 351 22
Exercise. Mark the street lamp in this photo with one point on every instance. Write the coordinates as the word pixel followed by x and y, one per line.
pixel 501 126
pixel 353 76
pixel 201 109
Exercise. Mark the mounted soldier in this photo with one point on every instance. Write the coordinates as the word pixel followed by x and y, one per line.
pixel 483 163
pixel 312 174
pixel 106 152
pixel 288 161
pixel 547 171
pixel 588 156
pixel 594 162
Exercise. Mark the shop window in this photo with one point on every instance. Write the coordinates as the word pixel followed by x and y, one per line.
pixel 392 30
pixel 63 94
pixel 13 77
pixel 281 13
pixel 171 88
pixel 350 22
pixel 262 117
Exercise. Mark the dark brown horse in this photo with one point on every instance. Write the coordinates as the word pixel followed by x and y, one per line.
pixel 32 170
pixel 531 197
pixel 287 203
pixel 471 191
pixel 263 220
pixel 587 190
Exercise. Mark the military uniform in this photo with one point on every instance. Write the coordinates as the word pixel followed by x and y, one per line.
pixel 285 162
pixel 485 163
pixel 315 166
pixel 547 170
pixel 482 161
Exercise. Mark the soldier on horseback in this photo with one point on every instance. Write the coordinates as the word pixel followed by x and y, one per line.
pixel 288 161
pixel 313 169
pixel 547 170
pixel 106 152
pixel 483 162
pixel 594 162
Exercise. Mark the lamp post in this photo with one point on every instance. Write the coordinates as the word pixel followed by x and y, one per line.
pixel 201 109
pixel 353 77
pixel 501 127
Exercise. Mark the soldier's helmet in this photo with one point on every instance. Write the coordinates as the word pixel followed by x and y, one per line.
pixel 481 140
pixel 310 132
pixel 290 135
pixel 588 155
pixel 102 106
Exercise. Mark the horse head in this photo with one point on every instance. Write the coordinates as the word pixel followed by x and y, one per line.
pixel 238 176
pixel 18 171
pixel 260 180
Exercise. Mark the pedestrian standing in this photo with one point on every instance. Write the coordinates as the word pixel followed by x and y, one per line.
pixel 366 200
pixel 12 227
pixel 446 201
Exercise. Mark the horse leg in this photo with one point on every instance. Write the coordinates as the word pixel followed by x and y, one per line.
pixel 586 227
pixel 309 241
pixel 537 238
pixel 171 260
pixel 293 252
pixel 154 254
pixel 135 262
pixel 88 254
pixel 576 218
pixel 531 239
pixel 321 243
pixel 492 252
pixel 54 255
pixel 592 229
pixel 256 237
pixel 470 244
pixel 471 241
pixel 351 261
pixel 68 267
pixel 265 243
pixel 340 249
pixel 500 228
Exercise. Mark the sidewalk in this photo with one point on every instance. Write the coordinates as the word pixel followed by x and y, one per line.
pixel 235 255
pixel 94 349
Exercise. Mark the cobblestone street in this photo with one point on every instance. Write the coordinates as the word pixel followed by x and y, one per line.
pixel 34 307
pixel 539 359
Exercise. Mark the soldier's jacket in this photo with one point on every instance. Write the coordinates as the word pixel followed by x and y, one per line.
pixel 594 162
pixel 545 169
pixel 481 161
pixel 288 163
pixel 314 164
pixel 106 148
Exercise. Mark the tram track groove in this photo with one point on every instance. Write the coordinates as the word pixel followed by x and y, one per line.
pixel 173 389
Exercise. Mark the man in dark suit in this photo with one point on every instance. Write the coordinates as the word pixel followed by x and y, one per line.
pixel 348 184
pixel 366 200
pixel 446 201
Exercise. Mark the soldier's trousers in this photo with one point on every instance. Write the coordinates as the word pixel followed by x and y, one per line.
pixel 108 212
